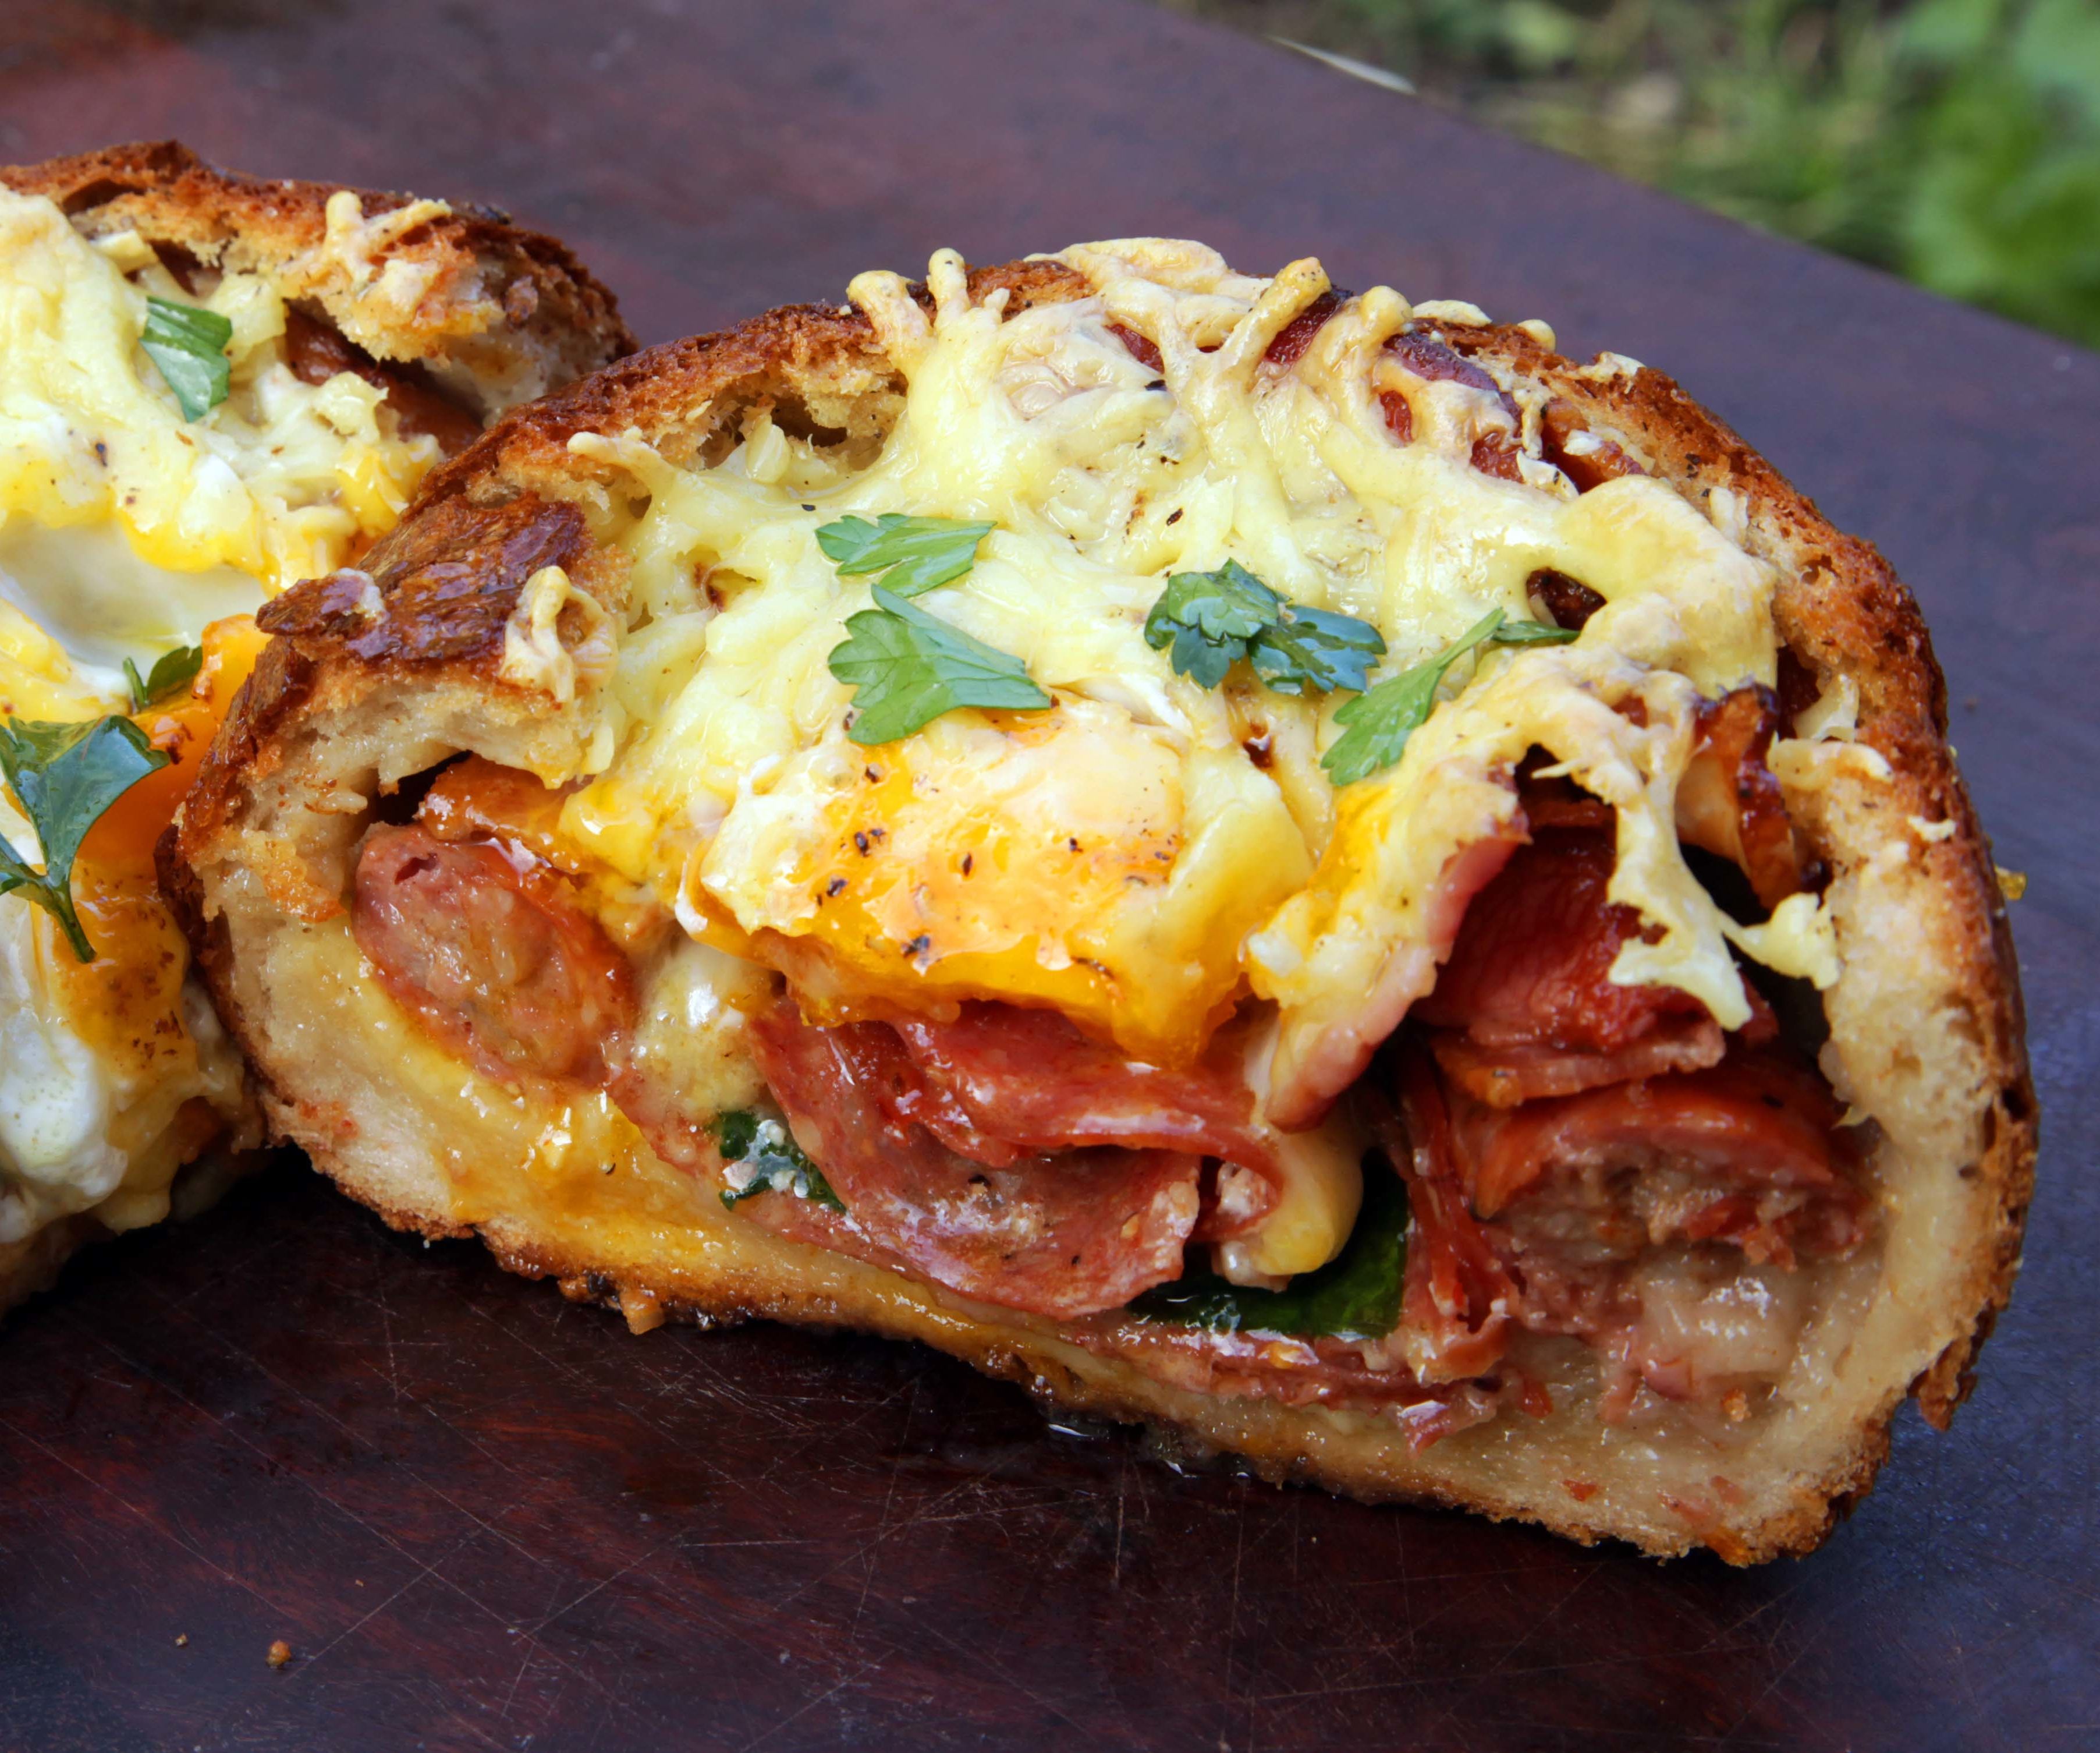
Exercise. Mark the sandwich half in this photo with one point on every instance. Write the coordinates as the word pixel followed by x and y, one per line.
pixel 1293 865
pixel 211 386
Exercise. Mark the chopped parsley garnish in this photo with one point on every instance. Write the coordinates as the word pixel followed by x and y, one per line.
pixel 1355 1295
pixel 770 1161
pixel 188 344
pixel 172 672
pixel 1208 621
pixel 65 776
pixel 908 667
pixel 1377 725
pixel 914 554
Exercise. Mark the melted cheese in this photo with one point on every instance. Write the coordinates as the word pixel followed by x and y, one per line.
pixel 125 530
pixel 1124 857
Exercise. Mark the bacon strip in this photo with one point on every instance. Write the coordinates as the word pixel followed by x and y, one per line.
pixel 1728 801
pixel 1330 1060
pixel 1066 1234
pixel 1429 359
pixel 1588 464
pixel 1297 335
pixel 1458 1298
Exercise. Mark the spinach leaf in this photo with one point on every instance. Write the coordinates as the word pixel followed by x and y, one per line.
pixel 773 1161
pixel 1355 1295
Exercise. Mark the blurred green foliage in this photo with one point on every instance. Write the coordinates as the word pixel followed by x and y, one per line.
pixel 1954 141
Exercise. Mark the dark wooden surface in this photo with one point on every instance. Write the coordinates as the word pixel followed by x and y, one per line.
pixel 483 1518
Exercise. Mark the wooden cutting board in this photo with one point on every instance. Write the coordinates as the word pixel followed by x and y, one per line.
pixel 481 1517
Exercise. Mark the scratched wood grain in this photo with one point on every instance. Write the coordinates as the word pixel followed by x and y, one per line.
pixel 484 1519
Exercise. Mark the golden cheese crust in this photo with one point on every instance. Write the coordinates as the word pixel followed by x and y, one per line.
pixel 365 686
pixel 499 314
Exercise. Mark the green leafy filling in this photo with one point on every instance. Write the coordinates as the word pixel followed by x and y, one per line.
pixel 1205 622
pixel 1376 726
pixel 188 345
pixel 1355 1295
pixel 913 554
pixel 774 1161
pixel 908 667
pixel 172 672
pixel 65 776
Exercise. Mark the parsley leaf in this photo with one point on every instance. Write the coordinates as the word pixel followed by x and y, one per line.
pixel 1318 650
pixel 1377 725
pixel 918 553
pixel 65 776
pixel 773 1162
pixel 189 346
pixel 1355 1295
pixel 172 672
pixel 1208 621
pixel 908 667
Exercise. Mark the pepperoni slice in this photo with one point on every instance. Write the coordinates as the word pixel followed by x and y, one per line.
pixel 1533 960
pixel 1296 336
pixel 492 956
pixel 1065 1235
pixel 1030 1078
pixel 1759 1123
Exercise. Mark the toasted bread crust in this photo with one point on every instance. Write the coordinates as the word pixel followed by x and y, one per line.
pixel 500 313
pixel 1840 608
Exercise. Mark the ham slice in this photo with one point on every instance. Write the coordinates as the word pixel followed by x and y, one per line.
pixel 1062 1234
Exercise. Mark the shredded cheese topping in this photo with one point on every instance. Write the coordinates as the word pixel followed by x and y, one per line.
pixel 1148 852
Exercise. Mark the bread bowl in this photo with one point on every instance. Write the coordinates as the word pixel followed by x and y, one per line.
pixel 1403 908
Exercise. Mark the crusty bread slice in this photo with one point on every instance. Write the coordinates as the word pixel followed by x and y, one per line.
pixel 458 305
pixel 361 691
